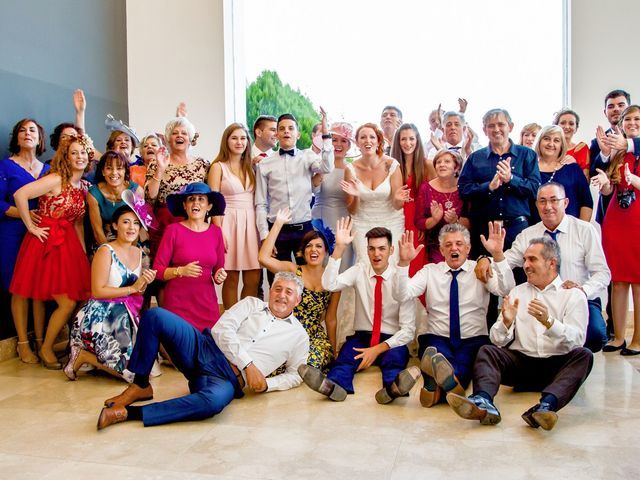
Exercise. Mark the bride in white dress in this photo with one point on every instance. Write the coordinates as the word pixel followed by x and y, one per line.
pixel 375 193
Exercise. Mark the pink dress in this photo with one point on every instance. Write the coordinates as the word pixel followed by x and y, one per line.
pixel 193 299
pixel 239 223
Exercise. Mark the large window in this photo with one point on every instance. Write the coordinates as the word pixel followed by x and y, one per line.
pixel 355 56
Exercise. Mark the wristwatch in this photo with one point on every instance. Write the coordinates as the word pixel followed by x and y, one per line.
pixel 326 136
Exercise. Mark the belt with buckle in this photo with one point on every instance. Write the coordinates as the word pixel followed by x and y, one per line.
pixel 294 227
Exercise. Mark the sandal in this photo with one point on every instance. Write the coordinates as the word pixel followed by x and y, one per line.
pixel 25 354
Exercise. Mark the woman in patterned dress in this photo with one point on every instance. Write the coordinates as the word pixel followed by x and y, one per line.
pixel 103 332
pixel 316 302
pixel 231 174
pixel 172 169
pixel 52 263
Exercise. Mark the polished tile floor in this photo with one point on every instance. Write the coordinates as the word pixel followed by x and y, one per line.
pixel 47 426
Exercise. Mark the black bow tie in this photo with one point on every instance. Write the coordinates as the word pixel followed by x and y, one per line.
pixel 291 152
pixel 455 149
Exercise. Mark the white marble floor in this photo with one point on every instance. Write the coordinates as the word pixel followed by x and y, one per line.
pixel 47 426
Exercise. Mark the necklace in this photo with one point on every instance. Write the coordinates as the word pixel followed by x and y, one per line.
pixel 448 204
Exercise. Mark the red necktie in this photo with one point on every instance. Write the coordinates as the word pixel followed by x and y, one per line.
pixel 377 312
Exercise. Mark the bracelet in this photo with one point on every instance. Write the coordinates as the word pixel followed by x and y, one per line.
pixel 326 136
pixel 157 179
pixel 481 257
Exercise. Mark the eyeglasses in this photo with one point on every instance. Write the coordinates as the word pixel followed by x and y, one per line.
pixel 549 201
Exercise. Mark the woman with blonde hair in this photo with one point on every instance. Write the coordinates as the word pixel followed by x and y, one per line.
pixel 528 134
pixel 232 174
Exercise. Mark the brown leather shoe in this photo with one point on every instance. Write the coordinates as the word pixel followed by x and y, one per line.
pixel 132 394
pixel 111 415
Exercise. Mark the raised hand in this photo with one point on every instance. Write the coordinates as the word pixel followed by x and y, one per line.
pixel 323 117
pixel 539 311
pixel 350 187
pixel 495 243
pixel 344 235
pixel 162 159
pixel 436 211
pixel 283 216
pixel 406 250
pixel 435 141
pixel 462 104
pixel 79 101
pixel 616 140
pixel 509 311
pixel 181 110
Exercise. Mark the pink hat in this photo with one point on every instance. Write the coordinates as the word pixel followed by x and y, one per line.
pixel 342 129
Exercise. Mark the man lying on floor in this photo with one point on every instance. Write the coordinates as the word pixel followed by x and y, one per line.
pixel 249 341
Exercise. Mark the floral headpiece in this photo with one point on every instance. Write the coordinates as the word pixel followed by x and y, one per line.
pixel 326 233
pixel 141 209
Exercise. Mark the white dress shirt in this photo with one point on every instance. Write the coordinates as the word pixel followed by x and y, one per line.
pixel 434 279
pixel 255 151
pixel 249 332
pixel 568 310
pixel 285 181
pixel 582 259
pixel 398 318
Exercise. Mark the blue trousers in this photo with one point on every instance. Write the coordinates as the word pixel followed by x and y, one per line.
pixel 391 362
pixel 597 328
pixel 212 383
pixel 461 358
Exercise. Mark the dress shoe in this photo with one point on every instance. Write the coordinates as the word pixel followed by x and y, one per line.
pixel 132 394
pixel 428 398
pixel 444 374
pixel 426 366
pixel 612 348
pixel 70 368
pixel 318 381
pixel 111 415
pixel 540 415
pixel 474 407
pixel 627 352
pixel 401 386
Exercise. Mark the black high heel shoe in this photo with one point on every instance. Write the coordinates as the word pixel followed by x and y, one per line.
pixel 613 348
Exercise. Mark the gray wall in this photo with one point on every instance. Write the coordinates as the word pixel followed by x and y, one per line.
pixel 50 48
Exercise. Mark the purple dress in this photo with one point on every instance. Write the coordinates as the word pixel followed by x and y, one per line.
pixel 12 230
pixel 193 299
pixel 423 211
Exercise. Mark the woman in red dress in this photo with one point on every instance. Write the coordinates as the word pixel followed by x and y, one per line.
pixel 569 120
pixel 52 263
pixel 407 149
pixel 620 234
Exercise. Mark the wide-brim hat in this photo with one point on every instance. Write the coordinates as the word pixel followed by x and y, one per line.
pixel 216 199
pixel 143 211
pixel 342 129
pixel 119 126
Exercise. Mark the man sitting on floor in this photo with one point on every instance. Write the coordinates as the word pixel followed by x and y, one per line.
pixel 538 342
pixel 457 302
pixel 382 330
pixel 249 341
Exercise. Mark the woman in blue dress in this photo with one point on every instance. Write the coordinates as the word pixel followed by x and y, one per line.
pixel 103 331
pixel 551 148
pixel 21 167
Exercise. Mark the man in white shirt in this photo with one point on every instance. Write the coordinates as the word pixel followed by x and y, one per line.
pixel 456 323
pixel 249 342
pixel 390 121
pixel 383 326
pixel 457 136
pixel 537 344
pixel 283 180
pixel 583 263
pixel 265 137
